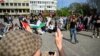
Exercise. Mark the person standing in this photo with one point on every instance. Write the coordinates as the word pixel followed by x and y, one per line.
pixel 6 19
pixel 73 23
pixel 20 19
pixel 10 19
pixel 96 26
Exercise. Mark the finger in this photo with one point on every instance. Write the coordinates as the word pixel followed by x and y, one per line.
pixel 56 35
pixel 59 32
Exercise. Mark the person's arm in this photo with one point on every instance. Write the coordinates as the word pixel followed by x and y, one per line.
pixel 38 53
pixel 58 39
pixel 38 23
pixel 61 52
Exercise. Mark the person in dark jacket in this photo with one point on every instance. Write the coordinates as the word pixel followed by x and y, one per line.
pixel 96 26
pixel 6 19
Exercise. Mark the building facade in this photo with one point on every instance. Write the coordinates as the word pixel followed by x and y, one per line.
pixel 25 7
pixel 14 7
pixel 37 6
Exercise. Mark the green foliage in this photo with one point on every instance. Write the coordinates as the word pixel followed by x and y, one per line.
pixel 63 12
pixel 76 8
pixel 81 8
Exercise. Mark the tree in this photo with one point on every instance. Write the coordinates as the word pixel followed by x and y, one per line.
pixel 81 8
pixel 63 12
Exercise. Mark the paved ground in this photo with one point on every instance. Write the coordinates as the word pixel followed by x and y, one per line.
pixel 86 46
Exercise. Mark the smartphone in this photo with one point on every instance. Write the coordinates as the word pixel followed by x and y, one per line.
pixel 51 53
pixel 56 26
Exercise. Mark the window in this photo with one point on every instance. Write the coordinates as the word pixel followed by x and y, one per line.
pixel 43 2
pixel 52 2
pixel 4 10
pixel 27 4
pixel 38 2
pixel 7 4
pixel 16 10
pixel 0 11
pixel 12 11
pixel 2 4
pixel 11 4
pixel 40 6
pixel 47 2
pixel 8 11
pixel 34 2
pixel 20 11
pixel 23 10
pixel 23 4
pixel 48 6
pixel 19 4
pixel 31 1
pixel 28 10
pixel 15 4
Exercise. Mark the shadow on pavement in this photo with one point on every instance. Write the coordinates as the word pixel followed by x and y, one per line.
pixel 67 39
pixel 84 35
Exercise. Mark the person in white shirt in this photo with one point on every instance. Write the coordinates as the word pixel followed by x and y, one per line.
pixel 51 27
pixel 39 21
pixel 61 22
pixel 48 21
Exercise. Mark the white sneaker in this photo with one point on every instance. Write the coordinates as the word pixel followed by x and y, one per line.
pixel 98 37
pixel 41 32
pixel 93 36
pixel 1 36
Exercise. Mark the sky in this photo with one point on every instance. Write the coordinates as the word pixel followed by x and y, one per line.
pixel 64 3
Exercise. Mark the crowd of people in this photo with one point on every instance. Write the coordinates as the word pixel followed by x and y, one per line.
pixel 39 24
pixel 28 43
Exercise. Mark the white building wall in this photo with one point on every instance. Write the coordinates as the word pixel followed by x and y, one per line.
pixel 16 1
pixel 37 5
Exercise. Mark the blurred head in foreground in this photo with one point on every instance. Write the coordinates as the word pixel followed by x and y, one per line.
pixel 19 43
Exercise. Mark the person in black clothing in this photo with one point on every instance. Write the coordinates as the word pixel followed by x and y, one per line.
pixel 73 23
pixel 20 19
pixel 86 22
pixel 33 20
pixel 96 22
pixel 6 19
pixel 2 26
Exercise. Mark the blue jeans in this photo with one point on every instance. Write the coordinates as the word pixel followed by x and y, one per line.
pixel 73 34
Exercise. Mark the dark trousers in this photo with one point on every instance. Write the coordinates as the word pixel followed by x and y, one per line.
pixel 96 30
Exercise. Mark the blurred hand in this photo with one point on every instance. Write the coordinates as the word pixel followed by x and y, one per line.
pixel 58 39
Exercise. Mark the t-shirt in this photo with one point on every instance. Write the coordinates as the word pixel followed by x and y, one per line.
pixel 97 24
pixel 51 27
pixel 72 24
pixel 33 21
pixel 20 18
